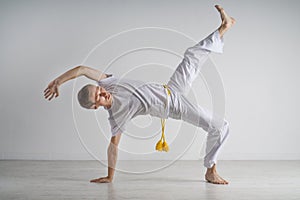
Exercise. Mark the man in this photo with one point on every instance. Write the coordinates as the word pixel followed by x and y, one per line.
pixel 125 99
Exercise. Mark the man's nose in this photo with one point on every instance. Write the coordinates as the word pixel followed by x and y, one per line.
pixel 103 94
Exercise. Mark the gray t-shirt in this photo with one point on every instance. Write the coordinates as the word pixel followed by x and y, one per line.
pixel 132 98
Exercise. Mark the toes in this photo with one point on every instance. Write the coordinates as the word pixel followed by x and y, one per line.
pixel 223 180
pixel 233 20
pixel 219 8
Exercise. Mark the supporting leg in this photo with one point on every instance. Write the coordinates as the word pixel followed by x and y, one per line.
pixel 215 140
pixel 217 133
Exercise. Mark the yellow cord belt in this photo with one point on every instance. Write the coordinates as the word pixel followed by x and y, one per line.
pixel 162 144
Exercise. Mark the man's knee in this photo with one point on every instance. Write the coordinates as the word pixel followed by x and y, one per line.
pixel 225 129
pixel 221 128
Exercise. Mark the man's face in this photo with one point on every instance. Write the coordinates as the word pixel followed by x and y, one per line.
pixel 99 96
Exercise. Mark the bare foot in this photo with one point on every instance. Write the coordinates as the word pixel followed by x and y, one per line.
pixel 227 21
pixel 213 177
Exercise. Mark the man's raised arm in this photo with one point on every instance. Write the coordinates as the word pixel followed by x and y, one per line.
pixel 52 88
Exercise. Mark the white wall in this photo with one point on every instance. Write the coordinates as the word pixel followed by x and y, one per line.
pixel 41 39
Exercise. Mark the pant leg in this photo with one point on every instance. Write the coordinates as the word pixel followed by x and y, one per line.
pixel 217 132
pixel 194 58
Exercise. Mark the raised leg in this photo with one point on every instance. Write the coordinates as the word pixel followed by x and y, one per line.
pixel 195 57
pixel 193 60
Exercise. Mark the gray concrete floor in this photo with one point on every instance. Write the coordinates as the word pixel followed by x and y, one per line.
pixel 182 180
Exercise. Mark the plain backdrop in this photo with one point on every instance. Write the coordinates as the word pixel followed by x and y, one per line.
pixel 259 70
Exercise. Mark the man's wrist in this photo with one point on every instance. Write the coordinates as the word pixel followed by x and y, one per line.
pixel 58 82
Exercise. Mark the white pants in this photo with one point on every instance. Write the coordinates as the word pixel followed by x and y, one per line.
pixel 180 83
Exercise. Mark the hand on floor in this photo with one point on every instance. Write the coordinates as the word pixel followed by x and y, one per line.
pixel 102 180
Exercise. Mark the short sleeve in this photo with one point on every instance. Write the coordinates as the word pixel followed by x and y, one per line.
pixel 118 125
pixel 117 129
pixel 108 82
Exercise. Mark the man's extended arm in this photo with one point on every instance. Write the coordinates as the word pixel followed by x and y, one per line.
pixel 112 154
pixel 52 89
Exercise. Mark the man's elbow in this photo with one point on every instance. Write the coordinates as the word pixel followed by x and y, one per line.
pixel 81 68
